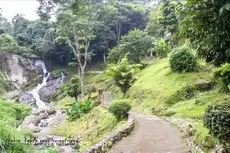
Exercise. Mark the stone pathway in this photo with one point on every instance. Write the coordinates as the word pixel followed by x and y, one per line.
pixel 150 135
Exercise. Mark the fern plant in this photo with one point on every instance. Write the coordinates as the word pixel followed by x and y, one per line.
pixel 123 73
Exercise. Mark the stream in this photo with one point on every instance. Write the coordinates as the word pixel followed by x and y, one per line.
pixel 44 117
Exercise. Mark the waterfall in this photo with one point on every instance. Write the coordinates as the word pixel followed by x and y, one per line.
pixel 34 92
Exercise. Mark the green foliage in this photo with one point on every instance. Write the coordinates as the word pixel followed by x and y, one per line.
pixel 217 120
pixel 72 88
pixel 154 26
pixel 223 74
pixel 10 114
pixel 204 23
pixel 7 43
pixel 120 109
pixel 78 109
pixel 123 73
pixel 182 60
pixel 162 48
pixel 169 21
pixel 137 43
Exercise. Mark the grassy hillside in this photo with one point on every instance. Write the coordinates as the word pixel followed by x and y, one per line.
pixel 160 91
pixel 92 127
pixel 158 87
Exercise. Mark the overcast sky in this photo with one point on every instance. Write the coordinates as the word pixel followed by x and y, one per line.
pixel 11 7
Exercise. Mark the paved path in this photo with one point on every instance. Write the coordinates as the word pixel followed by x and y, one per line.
pixel 151 135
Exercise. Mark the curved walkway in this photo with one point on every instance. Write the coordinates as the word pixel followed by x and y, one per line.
pixel 150 135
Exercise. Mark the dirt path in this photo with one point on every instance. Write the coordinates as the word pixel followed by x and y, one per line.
pixel 151 135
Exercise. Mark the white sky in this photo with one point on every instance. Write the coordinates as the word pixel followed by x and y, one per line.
pixel 27 7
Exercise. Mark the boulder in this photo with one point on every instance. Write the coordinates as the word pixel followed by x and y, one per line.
pixel 33 128
pixel 51 111
pixel 43 116
pixel 28 99
pixel 43 123
pixel 48 93
pixel 30 120
pixel 203 84
pixel 35 112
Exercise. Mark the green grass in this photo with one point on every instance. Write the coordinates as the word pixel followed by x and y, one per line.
pixel 158 87
pixel 92 127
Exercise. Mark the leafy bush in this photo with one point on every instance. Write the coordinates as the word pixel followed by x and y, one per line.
pixel 78 109
pixel 182 60
pixel 123 73
pixel 217 120
pixel 223 74
pixel 162 48
pixel 72 88
pixel 120 109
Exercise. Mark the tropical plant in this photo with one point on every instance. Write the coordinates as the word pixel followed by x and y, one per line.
pixel 162 48
pixel 223 74
pixel 204 23
pixel 78 109
pixel 123 73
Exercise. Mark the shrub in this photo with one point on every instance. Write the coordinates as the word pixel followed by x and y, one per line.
pixel 78 109
pixel 182 60
pixel 223 74
pixel 217 120
pixel 162 48
pixel 120 109
pixel 72 88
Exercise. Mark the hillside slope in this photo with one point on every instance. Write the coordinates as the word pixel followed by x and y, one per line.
pixel 162 92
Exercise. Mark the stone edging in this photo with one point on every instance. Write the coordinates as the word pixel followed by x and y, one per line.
pixel 107 142
pixel 188 132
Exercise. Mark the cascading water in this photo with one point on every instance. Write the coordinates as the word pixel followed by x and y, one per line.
pixel 52 119
pixel 34 92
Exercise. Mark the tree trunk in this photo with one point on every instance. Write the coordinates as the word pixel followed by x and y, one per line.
pixel 82 84
pixel 104 58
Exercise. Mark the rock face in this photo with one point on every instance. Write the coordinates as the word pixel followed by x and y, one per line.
pixel 49 92
pixel 17 69
pixel 30 120
pixel 28 99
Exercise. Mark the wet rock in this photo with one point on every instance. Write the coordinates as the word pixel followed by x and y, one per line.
pixel 39 79
pixel 33 128
pixel 63 111
pixel 28 99
pixel 35 112
pixel 43 124
pixel 30 120
pixel 48 93
pixel 51 111
pixel 203 84
pixel 43 116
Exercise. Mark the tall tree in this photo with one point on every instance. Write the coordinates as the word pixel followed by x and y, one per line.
pixel 76 27
pixel 206 24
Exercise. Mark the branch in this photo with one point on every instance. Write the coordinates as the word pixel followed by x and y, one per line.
pixel 74 51
pixel 86 52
